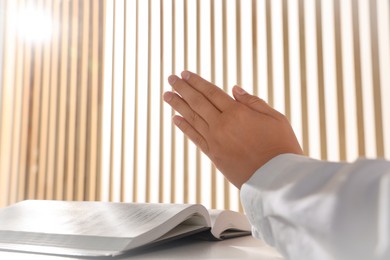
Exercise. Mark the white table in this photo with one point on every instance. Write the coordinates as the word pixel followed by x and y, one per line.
pixel 236 248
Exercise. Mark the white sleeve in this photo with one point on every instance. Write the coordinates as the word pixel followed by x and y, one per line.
pixel 310 209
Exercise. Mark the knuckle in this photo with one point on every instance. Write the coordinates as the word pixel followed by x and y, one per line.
pixel 277 115
pixel 197 102
pixel 253 100
pixel 283 117
pixel 211 92
pixel 202 144
pixel 175 101
pixel 194 117
pixel 184 126
pixel 195 80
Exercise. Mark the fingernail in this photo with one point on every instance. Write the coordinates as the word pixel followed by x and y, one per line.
pixel 172 79
pixel 176 121
pixel 185 75
pixel 168 96
pixel 240 90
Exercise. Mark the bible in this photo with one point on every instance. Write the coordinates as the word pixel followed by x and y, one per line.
pixel 81 228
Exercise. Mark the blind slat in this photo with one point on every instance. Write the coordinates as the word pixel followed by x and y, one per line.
pixel 93 113
pixel 173 129
pixel 303 79
pixel 123 175
pixel 35 115
pixel 44 112
pixel 83 95
pixel 17 105
pixel 161 178
pixel 212 60
pixel 358 78
pixel 72 93
pixel 101 66
pixel 339 82
pixel 321 91
pixel 186 181
pixel 198 165
pixel 376 70
pixel 135 167
pixel 54 79
pixel 286 54
pixel 149 93
pixel 269 53
pixel 113 91
pixel 225 61
pixel 23 163
pixel 61 102
pixel 6 110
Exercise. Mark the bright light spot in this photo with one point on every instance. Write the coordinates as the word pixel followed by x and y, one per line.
pixel 34 24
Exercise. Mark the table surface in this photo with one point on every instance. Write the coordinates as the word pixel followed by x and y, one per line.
pixel 235 248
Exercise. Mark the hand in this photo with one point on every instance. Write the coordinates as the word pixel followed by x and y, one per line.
pixel 239 135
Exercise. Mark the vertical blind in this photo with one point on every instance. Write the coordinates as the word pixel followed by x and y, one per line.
pixel 51 92
pixel 325 64
pixel 81 114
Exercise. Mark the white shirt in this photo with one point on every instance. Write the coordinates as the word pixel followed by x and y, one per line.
pixel 310 209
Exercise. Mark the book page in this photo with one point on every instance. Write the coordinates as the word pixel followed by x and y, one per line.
pixel 86 218
pixel 228 224
pixel 90 224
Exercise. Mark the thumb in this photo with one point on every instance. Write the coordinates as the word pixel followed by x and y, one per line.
pixel 251 101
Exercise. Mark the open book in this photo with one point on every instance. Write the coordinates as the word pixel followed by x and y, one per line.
pixel 107 228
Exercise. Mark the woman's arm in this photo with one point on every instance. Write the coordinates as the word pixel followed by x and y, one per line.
pixel 310 209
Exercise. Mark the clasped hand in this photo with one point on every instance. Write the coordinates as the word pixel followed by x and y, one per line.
pixel 238 134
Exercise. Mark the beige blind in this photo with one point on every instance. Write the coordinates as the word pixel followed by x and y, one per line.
pixel 51 98
pixel 103 132
pixel 325 64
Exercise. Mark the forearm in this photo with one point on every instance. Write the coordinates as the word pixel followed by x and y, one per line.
pixel 311 209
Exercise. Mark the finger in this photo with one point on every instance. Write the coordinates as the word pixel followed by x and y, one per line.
pixel 198 102
pixel 191 133
pixel 179 105
pixel 251 101
pixel 217 96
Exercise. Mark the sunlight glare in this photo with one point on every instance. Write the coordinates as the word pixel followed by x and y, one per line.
pixel 34 24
